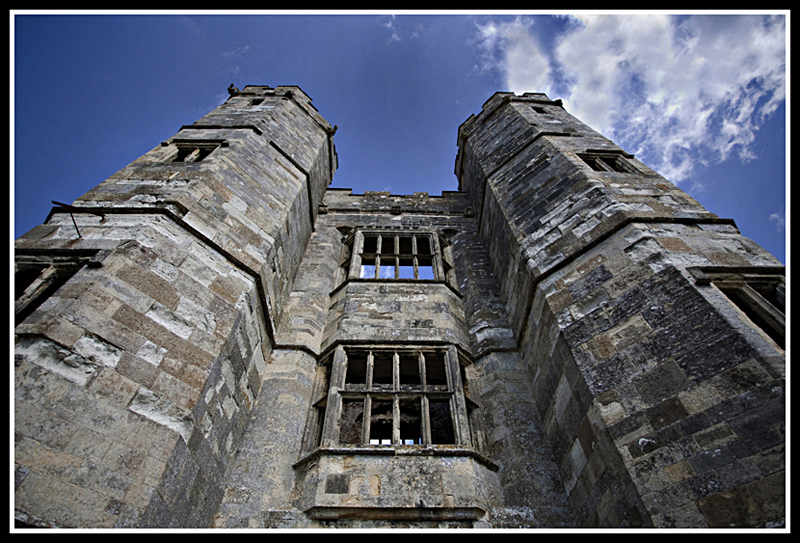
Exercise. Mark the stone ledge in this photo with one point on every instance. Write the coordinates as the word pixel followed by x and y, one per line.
pixel 396 513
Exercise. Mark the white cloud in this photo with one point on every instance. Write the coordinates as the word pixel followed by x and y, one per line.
pixel 512 48
pixel 394 36
pixel 392 23
pixel 669 89
pixel 779 219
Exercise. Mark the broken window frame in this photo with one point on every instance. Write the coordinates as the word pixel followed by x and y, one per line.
pixel 389 259
pixel 758 293
pixel 37 276
pixel 607 162
pixel 188 150
pixel 403 395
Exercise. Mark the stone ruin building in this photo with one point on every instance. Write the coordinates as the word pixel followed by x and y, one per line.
pixel 213 338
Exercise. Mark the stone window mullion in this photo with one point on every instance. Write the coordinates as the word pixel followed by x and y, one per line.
pixel 378 250
pixel 426 420
pixel 437 260
pixel 330 430
pixel 355 257
pixel 395 396
pixel 365 427
pixel 457 400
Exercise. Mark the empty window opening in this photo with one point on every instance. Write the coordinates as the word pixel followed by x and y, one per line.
pixel 382 369
pixel 195 150
pixel 606 163
pixel 187 154
pixel 356 368
pixel 390 256
pixel 367 268
pixel 759 293
pixel 442 432
pixel 37 278
pixel 411 422
pixel 352 419
pixel 370 244
pixel 23 278
pixel 435 375
pixel 763 306
pixel 409 371
pixel 388 268
pixel 394 396
pixel 423 246
pixel 425 268
pixel 406 270
pixel 381 423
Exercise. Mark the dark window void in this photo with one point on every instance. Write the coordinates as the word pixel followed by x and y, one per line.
pixel 381 423
pixel 191 154
pixel 382 369
pixel 758 292
pixel 409 370
pixel 441 422
pixel 352 420
pixel 763 306
pixel 435 375
pixel 194 149
pixel 395 397
pixel 37 278
pixel 356 373
pixel 411 422
pixel 607 163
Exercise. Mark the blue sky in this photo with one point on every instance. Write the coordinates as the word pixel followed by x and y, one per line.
pixel 701 99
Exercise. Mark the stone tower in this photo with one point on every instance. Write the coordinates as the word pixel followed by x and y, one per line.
pixel 213 338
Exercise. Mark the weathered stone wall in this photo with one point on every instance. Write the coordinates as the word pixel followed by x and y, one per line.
pixel 155 360
pixel 646 363
pixel 594 264
pixel 140 374
pixel 174 379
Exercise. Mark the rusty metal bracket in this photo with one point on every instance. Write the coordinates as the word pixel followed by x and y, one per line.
pixel 69 209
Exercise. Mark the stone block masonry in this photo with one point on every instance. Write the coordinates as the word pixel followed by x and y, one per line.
pixel 213 338
pixel 631 359
pixel 160 346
